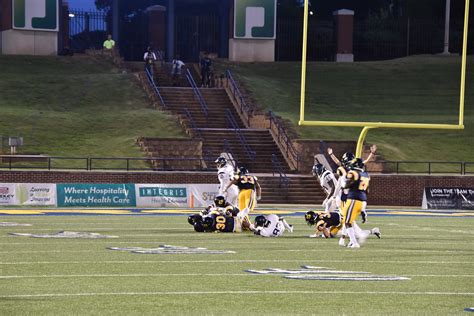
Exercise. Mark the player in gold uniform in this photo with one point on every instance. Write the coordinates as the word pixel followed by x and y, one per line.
pixel 249 189
pixel 357 181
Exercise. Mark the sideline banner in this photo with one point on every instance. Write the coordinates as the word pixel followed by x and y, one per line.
pixel 448 198
pixel 96 195
pixel 203 194
pixel 27 194
pixel 8 195
pixel 161 195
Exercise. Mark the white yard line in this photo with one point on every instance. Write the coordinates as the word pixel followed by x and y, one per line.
pixel 140 275
pixel 227 261
pixel 235 292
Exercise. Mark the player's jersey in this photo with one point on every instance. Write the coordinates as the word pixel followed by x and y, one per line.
pixel 359 186
pixel 328 183
pixel 328 220
pixel 228 209
pixel 246 182
pixel 340 192
pixel 273 227
pixel 222 223
pixel 225 175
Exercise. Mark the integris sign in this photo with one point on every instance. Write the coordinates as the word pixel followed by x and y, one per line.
pixel 35 15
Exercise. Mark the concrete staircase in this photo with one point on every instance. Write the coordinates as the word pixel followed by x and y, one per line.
pixel 301 190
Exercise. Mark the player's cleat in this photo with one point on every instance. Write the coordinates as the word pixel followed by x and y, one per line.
pixel 290 228
pixel 376 232
pixel 313 236
pixel 342 242
pixel 353 246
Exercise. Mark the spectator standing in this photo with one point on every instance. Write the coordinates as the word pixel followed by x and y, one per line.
pixel 206 64
pixel 176 70
pixel 149 57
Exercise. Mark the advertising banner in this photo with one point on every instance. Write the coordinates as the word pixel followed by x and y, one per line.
pixel 448 198
pixel 96 195
pixel 162 195
pixel 203 195
pixel 36 193
pixel 8 195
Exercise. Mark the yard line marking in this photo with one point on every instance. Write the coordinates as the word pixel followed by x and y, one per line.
pixel 137 275
pixel 229 261
pixel 232 292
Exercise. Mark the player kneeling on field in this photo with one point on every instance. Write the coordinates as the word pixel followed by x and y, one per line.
pixel 270 226
pixel 331 225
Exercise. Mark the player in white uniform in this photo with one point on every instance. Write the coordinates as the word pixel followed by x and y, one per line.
pixel 270 226
pixel 225 174
pixel 328 182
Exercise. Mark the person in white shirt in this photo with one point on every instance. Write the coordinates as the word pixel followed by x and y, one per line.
pixel 149 57
pixel 225 174
pixel 176 70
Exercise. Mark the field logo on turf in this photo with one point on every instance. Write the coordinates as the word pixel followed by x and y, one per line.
pixel 327 274
pixel 169 249
pixel 66 234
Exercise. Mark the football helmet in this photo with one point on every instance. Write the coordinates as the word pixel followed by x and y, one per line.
pixel 219 201
pixel 260 221
pixel 243 171
pixel 192 219
pixel 347 158
pixel 221 162
pixel 198 227
pixel 318 169
pixel 311 218
pixel 356 163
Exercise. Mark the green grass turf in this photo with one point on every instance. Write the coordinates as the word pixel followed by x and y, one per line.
pixel 436 253
pixel 419 89
pixel 76 106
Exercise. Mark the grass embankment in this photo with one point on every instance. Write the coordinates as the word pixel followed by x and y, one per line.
pixel 421 89
pixel 76 107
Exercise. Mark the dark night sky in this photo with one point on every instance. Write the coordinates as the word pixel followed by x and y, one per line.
pixel 82 4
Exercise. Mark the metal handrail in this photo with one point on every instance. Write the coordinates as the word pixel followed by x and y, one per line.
pixel 192 122
pixel 197 93
pixel 278 168
pixel 283 138
pixel 152 83
pixel 251 154
pixel 245 109
pixel 46 163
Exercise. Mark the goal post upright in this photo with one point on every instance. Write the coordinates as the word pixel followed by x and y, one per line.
pixel 366 126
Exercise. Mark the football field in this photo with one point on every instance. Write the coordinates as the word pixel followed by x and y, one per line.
pixel 422 265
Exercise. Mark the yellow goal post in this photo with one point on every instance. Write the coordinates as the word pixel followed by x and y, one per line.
pixel 370 125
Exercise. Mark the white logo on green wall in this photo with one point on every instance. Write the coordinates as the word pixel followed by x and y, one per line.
pixel 254 19
pixel 36 15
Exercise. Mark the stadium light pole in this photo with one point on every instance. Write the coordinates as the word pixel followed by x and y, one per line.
pixel 446 27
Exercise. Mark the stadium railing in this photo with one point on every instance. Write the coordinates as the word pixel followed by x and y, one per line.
pixel 18 162
pixel 245 109
pixel 197 93
pixel 251 154
pixel 278 168
pixel 153 85
pixel 283 140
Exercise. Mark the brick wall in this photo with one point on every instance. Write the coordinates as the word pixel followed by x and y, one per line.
pixel 407 190
pixel 389 190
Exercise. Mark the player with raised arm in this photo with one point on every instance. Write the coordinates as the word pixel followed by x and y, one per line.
pixel 225 174
pixel 270 226
pixel 249 189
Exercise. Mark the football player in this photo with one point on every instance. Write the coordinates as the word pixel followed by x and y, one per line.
pixel 270 226
pixel 225 174
pixel 226 223
pixel 328 182
pixel 357 181
pixel 249 189
pixel 331 224
pixel 220 206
